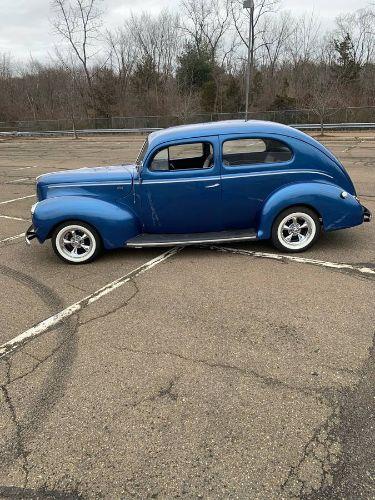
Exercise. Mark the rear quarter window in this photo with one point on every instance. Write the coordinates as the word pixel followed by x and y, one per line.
pixel 251 151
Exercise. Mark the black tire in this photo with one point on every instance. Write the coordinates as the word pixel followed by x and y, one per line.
pixel 279 236
pixel 90 239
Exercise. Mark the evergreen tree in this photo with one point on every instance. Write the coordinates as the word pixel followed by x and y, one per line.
pixel 194 68
pixel 347 69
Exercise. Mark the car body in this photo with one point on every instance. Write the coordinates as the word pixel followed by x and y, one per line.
pixel 203 183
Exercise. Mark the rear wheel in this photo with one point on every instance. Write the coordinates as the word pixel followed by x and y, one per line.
pixel 296 229
pixel 76 242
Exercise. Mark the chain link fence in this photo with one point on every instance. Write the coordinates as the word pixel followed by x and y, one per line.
pixel 294 116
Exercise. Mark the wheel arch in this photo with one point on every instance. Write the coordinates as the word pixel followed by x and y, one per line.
pixel 114 223
pixel 323 198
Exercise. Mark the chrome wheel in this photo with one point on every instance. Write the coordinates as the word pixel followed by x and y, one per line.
pixel 296 231
pixel 75 243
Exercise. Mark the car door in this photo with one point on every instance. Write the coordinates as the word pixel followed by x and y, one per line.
pixel 253 166
pixel 180 187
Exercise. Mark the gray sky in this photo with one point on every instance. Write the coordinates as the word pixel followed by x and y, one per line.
pixel 25 30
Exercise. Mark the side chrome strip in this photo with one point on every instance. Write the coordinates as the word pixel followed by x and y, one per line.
pixel 188 242
pixel 192 179
pixel 279 172
pixel 89 184
pixel 235 176
pixel 209 178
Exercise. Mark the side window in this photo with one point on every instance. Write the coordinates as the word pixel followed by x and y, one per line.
pixel 196 155
pixel 161 160
pixel 254 151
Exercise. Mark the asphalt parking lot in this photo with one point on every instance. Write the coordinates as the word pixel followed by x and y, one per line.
pixel 226 372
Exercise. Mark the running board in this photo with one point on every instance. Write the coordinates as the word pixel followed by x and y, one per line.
pixel 167 240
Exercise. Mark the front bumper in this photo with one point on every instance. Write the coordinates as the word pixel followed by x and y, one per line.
pixel 30 234
pixel 367 215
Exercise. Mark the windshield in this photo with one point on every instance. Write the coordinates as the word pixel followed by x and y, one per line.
pixel 141 154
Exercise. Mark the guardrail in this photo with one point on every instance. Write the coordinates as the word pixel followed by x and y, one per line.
pixel 113 131
pixel 335 126
pixel 60 133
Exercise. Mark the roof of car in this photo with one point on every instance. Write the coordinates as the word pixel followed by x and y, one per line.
pixel 182 132
pixel 223 128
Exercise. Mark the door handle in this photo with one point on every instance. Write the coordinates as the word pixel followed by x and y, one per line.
pixel 213 186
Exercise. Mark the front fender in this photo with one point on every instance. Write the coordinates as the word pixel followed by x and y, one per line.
pixel 115 223
pixel 324 198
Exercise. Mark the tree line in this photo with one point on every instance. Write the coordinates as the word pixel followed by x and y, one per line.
pixel 192 59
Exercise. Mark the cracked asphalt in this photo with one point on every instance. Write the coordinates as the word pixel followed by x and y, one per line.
pixel 214 374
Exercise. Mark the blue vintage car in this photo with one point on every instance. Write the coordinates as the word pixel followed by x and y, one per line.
pixel 204 183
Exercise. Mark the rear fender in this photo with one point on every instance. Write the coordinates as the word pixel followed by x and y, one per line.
pixel 115 223
pixel 324 198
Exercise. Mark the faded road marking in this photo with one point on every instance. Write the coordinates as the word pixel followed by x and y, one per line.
pixel 11 238
pixel 17 199
pixel 18 180
pixel 293 258
pixel 52 321
pixel 24 168
pixel 13 218
pixel 349 148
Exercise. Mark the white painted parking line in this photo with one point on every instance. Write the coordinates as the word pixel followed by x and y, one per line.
pixel 11 238
pixel 25 168
pixel 302 260
pixel 52 321
pixel 18 180
pixel 13 218
pixel 17 199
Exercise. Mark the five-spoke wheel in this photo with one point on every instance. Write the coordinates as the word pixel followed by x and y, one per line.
pixel 295 229
pixel 76 242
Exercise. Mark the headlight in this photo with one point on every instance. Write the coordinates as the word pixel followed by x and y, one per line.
pixel 32 210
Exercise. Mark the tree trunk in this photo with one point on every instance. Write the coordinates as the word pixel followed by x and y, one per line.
pixel 74 128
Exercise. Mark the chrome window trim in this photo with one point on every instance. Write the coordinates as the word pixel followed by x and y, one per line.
pixel 261 138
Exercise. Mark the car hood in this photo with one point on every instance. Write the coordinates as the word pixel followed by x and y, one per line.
pixel 90 175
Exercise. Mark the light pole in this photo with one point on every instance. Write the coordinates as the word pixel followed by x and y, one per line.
pixel 249 4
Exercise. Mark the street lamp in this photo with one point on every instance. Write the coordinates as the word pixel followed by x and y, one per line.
pixel 249 4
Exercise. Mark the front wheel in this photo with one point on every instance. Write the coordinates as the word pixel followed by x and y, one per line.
pixel 76 242
pixel 296 229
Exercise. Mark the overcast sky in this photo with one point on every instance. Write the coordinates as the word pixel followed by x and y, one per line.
pixel 25 30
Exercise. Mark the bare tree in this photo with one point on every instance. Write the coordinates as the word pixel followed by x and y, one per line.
pixel 78 23
pixel 122 59
pixel 8 96
pixel 304 42
pixel 359 26
pixel 156 38
pixel 207 23
pixel 208 27
pixel 275 35
pixel 325 95
pixel 258 20
pixel 262 8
